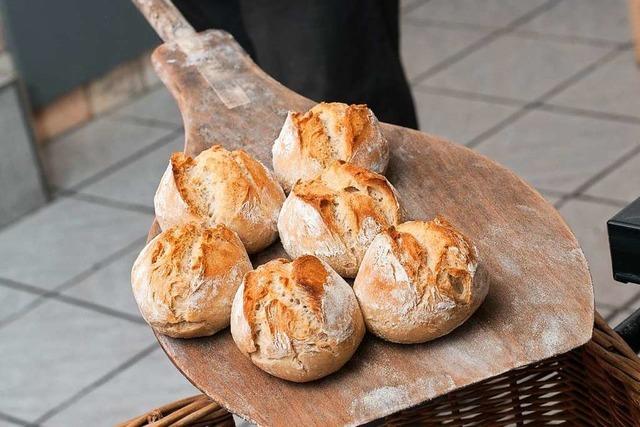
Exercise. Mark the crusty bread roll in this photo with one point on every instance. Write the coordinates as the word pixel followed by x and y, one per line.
pixel 336 215
pixel 221 187
pixel 297 320
pixel 419 281
pixel 185 279
pixel 309 142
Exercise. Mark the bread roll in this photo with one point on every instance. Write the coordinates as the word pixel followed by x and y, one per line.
pixel 185 279
pixel 419 281
pixel 221 187
pixel 336 215
pixel 297 320
pixel 309 142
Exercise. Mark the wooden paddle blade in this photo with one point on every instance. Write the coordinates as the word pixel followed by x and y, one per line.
pixel 540 302
pixel 223 95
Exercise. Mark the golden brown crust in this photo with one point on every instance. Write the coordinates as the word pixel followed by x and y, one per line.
pixel 418 281
pixel 315 138
pixel 358 129
pixel 303 278
pixel 350 204
pixel 311 141
pixel 184 279
pixel 180 164
pixel 297 320
pixel 414 242
pixel 220 186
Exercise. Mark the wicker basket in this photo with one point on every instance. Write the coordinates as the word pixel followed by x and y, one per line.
pixel 597 384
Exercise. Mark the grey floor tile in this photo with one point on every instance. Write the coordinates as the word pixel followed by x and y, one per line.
pixel 111 285
pixel 493 13
pixel 614 315
pixel 12 301
pixel 585 18
pixel 151 382
pixel 622 184
pixel 612 88
pixel 588 222
pixel 405 5
pixel 6 423
pixel 456 119
pixel 560 152
pixel 516 67
pixel 619 316
pixel 551 198
pixel 64 239
pixel 137 182
pixel 423 47
pixel 58 349
pixel 242 422
pixel 93 148
pixel 155 105
pixel 604 310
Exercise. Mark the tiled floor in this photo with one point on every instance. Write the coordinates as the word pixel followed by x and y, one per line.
pixel 548 88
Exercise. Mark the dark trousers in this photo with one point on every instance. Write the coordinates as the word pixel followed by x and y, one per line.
pixel 326 50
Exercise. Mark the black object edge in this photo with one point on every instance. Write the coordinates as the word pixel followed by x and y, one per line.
pixel 624 245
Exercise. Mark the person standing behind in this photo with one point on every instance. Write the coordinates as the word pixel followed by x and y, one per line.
pixel 329 50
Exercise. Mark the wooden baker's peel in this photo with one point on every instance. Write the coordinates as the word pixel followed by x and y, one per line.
pixel 540 303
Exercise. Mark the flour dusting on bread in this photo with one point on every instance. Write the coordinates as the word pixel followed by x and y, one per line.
pixel 418 281
pixel 309 142
pixel 297 320
pixel 221 187
pixel 336 215
pixel 185 278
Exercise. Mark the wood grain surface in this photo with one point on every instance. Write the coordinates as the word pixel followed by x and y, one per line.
pixel 541 299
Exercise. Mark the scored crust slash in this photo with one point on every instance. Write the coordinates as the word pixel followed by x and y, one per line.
pixel 224 84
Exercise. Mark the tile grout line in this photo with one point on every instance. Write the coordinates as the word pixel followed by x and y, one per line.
pixel 548 192
pixel 109 114
pixel 601 200
pixel 56 192
pixel 474 142
pixel 105 201
pixel 40 299
pixel 97 383
pixel 449 25
pixel 161 142
pixel 592 114
pixel 543 106
pixel 100 264
pixel 469 96
pixel 14 420
pixel 56 293
pixel 573 40
pixel 43 297
pixel 98 308
pixel 599 176
pixel 626 306
pixel 585 198
pixel 483 41
pixel 533 105
pixel 130 118
pixel 526 34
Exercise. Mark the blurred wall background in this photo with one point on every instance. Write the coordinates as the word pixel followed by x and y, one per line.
pixel 59 45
